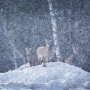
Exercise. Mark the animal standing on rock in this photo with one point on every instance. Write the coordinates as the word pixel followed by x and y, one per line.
pixel 33 61
pixel 51 53
pixel 42 53
pixel 72 58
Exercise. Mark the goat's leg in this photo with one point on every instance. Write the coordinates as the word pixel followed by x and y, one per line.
pixel 40 61
pixel 44 62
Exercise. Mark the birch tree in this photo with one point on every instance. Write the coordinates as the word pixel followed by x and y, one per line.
pixel 54 29
pixel 14 55
pixel 15 52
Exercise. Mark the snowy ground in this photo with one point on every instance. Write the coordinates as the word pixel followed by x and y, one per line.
pixel 56 76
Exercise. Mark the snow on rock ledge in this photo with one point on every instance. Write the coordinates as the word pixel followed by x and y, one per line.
pixel 56 76
pixel 87 85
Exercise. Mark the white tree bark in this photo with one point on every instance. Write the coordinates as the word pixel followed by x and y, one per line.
pixel 54 29
pixel 14 56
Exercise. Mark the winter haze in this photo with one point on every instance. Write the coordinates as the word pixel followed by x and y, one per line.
pixel 44 44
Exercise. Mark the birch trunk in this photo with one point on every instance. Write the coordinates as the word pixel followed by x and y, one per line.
pixel 14 56
pixel 54 29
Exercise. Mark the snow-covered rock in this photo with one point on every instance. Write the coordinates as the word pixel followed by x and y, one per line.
pixel 87 85
pixel 56 76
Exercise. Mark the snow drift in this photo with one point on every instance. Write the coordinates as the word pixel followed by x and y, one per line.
pixel 56 76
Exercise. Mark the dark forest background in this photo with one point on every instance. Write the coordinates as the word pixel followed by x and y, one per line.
pixel 28 24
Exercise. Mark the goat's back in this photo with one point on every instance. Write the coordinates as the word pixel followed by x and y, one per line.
pixel 33 61
pixel 71 60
